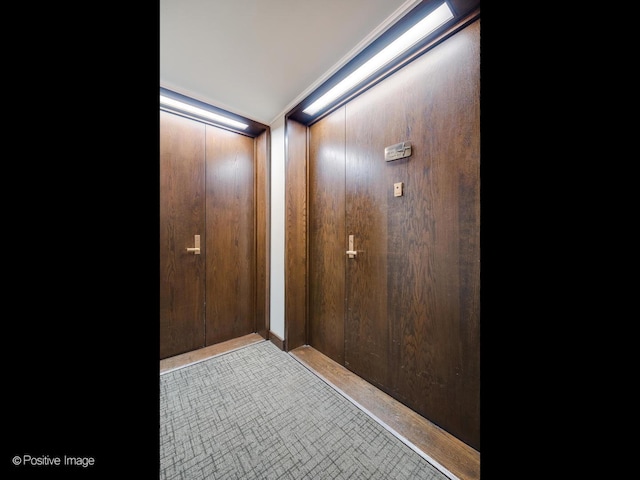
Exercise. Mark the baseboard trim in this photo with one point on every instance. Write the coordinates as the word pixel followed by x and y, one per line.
pixel 454 458
pixel 277 341
pixel 196 356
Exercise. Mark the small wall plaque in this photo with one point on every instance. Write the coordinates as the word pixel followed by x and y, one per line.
pixel 397 151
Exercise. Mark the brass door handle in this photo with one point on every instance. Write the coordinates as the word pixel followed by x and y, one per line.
pixel 351 252
pixel 195 250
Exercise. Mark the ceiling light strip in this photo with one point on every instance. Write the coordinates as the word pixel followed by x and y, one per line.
pixel 424 27
pixel 186 108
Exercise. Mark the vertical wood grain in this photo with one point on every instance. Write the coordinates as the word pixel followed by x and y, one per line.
pixel 263 207
pixel 413 291
pixel 327 246
pixel 434 236
pixel 295 234
pixel 182 215
pixel 428 239
pixel 231 243
pixel 368 131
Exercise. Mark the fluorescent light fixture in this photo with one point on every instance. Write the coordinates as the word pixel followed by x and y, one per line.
pixel 185 107
pixel 416 33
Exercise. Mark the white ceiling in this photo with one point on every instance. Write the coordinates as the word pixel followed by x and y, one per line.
pixel 260 58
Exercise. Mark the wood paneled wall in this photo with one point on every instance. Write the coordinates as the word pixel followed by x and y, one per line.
pixel 295 235
pixel 405 315
pixel 423 348
pixel 263 232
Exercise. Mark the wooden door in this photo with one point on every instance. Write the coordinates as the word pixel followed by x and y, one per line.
pixel 327 235
pixel 231 239
pixel 367 190
pixel 182 216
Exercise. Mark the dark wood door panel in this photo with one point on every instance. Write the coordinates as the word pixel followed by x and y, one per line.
pixel 231 248
pixel 366 324
pixel 413 289
pixel 434 273
pixel 182 216
pixel 327 238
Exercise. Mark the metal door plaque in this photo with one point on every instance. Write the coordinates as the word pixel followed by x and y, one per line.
pixel 397 151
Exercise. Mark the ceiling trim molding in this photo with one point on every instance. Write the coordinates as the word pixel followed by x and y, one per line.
pixel 464 12
pixel 390 21
pixel 221 105
pixel 254 128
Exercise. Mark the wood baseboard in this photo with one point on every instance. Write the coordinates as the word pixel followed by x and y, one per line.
pixel 201 354
pixel 438 446
pixel 276 340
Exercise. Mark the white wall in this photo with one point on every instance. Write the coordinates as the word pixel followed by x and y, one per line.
pixel 277 227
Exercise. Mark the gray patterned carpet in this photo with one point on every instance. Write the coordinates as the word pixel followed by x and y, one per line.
pixel 256 413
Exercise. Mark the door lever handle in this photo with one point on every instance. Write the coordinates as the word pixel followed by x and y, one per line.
pixel 351 252
pixel 196 249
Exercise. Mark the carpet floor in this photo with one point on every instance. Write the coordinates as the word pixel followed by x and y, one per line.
pixel 257 413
